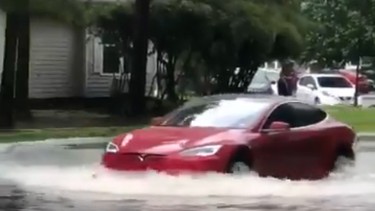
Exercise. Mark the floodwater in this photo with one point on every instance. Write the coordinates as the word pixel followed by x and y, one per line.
pixel 57 176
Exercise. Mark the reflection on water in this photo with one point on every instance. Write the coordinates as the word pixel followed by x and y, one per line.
pixel 11 198
pixel 58 176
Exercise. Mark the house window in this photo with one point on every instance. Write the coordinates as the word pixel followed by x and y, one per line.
pixel 111 55
pixel 111 59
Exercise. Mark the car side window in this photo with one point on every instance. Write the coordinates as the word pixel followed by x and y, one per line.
pixel 307 114
pixel 302 81
pixel 307 80
pixel 296 114
pixel 282 113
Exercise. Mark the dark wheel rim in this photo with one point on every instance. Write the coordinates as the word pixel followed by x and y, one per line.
pixel 239 168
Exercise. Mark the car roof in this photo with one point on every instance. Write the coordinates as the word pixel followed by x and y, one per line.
pixel 262 98
pixel 315 75
pixel 269 70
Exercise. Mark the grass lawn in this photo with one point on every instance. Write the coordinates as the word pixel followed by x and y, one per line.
pixel 41 134
pixel 362 119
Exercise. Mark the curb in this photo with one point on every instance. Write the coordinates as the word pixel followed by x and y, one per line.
pixel 366 136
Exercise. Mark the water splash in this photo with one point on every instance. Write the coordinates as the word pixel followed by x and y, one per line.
pixel 77 178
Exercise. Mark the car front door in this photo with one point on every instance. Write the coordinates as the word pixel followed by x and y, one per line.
pixel 295 153
pixel 311 88
pixel 302 90
pixel 306 89
pixel 311 139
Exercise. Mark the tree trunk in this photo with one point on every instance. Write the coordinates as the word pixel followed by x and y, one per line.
pixel 159 67
pixel 358 69
pixel 357 72
pixel 7 82
pixel 223 81
pixel 171 79
pixel 138 74
pixel 22 73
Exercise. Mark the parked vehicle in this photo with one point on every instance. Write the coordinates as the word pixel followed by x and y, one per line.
pixel 264 82
pixel 237 134
pixel 326 89
pixel 364 84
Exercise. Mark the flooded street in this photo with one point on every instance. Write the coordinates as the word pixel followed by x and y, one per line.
pixel 57 175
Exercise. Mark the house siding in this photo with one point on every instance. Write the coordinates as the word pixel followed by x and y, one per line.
pixel 64 63
pixel 54 70
pixel 2 40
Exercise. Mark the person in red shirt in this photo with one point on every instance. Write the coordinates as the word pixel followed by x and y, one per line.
pixel 287 84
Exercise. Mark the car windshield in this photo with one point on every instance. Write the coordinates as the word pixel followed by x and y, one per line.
pixel 333 82
pixel 238 113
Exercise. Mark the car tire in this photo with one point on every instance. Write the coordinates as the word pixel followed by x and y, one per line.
pixel 239 168
pixel 240 162
pixel 343 159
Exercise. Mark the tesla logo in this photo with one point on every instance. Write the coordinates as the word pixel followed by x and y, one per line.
pixel 141 157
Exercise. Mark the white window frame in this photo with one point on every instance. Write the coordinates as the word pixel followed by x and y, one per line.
pixel 99 59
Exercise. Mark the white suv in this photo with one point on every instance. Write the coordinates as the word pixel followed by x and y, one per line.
pixel 264 81
pixel 325 89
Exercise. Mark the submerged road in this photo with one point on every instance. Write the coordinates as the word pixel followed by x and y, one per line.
pixel 56 176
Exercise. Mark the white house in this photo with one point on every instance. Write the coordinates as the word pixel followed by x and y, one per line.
pixel 66 61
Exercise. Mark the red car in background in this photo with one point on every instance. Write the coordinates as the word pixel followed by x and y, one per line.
pixel 237 134
pixel 364 86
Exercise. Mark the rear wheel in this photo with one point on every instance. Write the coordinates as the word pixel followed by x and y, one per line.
pixel 344 158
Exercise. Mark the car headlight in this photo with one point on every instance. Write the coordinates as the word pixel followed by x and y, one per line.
pixel 327 94
pixel 111 148
pixel 203 151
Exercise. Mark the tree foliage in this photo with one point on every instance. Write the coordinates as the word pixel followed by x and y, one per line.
pixel 217 45
pixel 217 41
pixel 344 30
pixel 72 11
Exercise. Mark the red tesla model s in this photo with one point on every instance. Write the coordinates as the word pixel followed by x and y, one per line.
pixel 270 135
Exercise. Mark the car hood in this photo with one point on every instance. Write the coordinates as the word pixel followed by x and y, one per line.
pixel 166 140
pixel 340 92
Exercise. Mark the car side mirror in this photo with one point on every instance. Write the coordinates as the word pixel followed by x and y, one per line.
pixel 277 126
pixel 156 121
pixel 310 86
